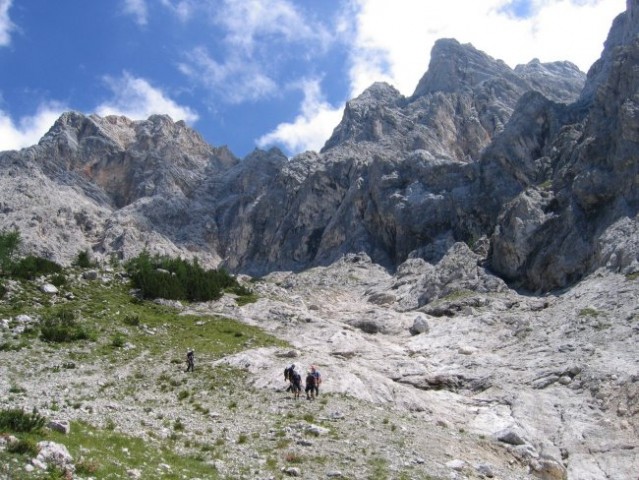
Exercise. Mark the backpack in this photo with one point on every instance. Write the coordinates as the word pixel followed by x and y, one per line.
pixel 288 373
pixel 310 380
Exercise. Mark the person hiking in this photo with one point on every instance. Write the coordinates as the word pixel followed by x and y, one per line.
pixel 318 379
pixel 190 360
pixel 288 376
pixel 310 386
pixel 296 384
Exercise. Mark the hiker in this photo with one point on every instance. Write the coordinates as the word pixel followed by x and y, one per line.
pixel 288 376
pixel 296 384
pixel 190 360
pixel 318 378
pixel 310 385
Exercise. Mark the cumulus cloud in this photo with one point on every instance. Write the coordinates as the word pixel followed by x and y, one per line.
pixel 246 21
pixel 393 42
pixel 182 9
pixel 311 128
pixel 137 99
pixel 235 80
pixel 28 130
pixel 138 9
pixel 258 38
pixel 5 23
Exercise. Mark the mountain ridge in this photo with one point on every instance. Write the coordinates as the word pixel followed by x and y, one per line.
pixel 398 175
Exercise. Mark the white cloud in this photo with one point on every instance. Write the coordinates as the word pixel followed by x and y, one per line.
pixel 135 98
pixel 182 9
pixel 28 130
pixel 246 21
pixel 391 41
pixel 138 9
pixel 236 81
pixel 402 34
pixel 257 38
pixel 311 128
pixel 5 23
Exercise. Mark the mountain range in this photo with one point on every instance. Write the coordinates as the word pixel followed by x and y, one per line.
pixel 536 164
pixel 462 264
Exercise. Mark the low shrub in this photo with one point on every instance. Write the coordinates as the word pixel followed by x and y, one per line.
pixel 62 327
pixel 31 266
pixel 83 260
pixel 23 447
pixel 177 279
pixel 18 421
pixel 118 340
pixel 132 320
pixel 58 280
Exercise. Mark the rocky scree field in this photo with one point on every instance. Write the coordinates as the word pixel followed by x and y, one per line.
pixel 473 385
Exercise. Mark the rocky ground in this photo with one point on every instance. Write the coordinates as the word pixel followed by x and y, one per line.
pixel 473 385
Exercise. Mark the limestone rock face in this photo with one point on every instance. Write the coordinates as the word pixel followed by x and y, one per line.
pixel 539 167
pixel 590 192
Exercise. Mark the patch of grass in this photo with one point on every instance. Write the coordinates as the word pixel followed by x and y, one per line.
pixel 246 299
pixel 457 295
pixel 16 389
pixel 62 326
pixel 588 312
pixel 23 447
pixel 632 276
pixel 293 457
pixel 111 454
pixel 118 340
pixel 132 320
pixel 378 469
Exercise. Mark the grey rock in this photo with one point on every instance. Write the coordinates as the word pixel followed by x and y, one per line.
pixel 54 454
pixel 292 471
pixel 510 437
pixel 420 325
pixel 90 275
pixel 62 426
pixel 49 288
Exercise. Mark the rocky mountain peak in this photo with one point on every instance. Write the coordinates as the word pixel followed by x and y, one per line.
pixel 455 66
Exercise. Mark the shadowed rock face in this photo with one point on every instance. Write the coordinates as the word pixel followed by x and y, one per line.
pixel 525 157
pixel 583 216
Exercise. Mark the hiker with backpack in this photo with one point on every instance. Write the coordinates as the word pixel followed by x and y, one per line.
pixel 190 360
pixel 318 379
pixel 288 376
pixel 296 384
pixel 310 385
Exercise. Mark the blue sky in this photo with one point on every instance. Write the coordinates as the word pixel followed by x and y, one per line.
pixel 256 73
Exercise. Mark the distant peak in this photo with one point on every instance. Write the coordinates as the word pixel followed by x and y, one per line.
pixel 454 66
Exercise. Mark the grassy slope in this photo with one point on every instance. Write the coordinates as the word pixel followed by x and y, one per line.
pixel 115 321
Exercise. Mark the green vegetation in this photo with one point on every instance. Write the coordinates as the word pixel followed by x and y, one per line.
pixel 26 268
pixel 9 243
pixel 632 276
pixel 83 260
pixel 588 312
pixel 177 279
pixel 31 267
pixel 61 326
pixel 17 420
pixel 103 453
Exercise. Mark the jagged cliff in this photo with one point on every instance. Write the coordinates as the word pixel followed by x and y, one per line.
pixel 533 167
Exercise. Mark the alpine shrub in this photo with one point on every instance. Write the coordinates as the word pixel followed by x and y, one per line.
pixel 18 421
pixel 62 327
pixel 30 267
pixel 177 279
